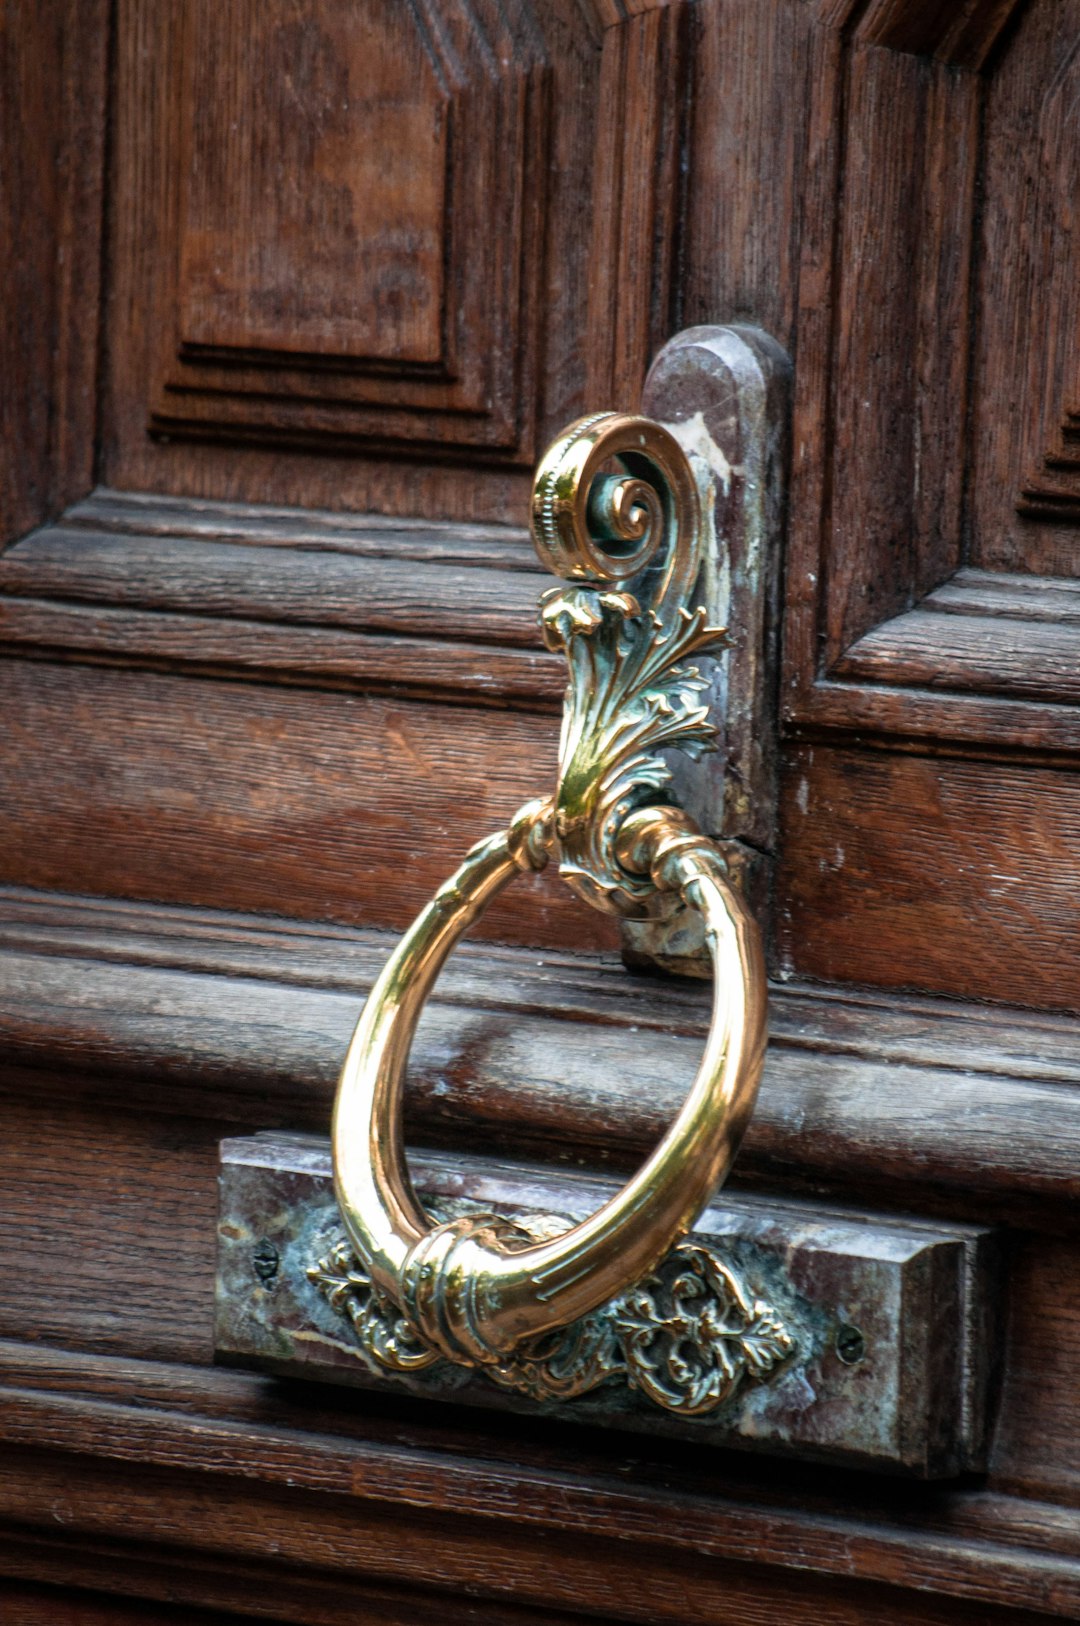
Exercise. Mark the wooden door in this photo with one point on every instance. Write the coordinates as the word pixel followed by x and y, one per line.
pixel 294 298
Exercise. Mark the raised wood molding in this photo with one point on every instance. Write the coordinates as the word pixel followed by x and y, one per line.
pixel 866 536
pixel 961 1111
pixel 190 1020
pixel 961 33
pixel 398 612
pixel 52 134
pixel 982 632
pixel 637 195
pixel 328 600
pixel 880 516
pixel 425 339
pixel 1053 491
pixel 534 278
pixel 613 13
pixel 404 1498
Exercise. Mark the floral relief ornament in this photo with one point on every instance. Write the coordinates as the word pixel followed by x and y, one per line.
pixel 687 1337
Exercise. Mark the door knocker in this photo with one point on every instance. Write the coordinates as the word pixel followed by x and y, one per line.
pixel 616 514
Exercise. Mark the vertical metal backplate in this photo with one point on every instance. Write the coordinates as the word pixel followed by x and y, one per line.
pixel 787 1328
pixel 724 394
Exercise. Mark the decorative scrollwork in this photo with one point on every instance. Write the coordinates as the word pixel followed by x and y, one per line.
pixel 629 696
pixel 640 524
pixel 383 1331
pixel 687 1337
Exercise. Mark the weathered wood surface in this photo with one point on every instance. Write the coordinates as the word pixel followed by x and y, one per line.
pixel 918 872
pixel 896 869
pixel 238 1475
pixel 959 1111
pixel 504 346
pixel 53 72
pixel 345 600
pixel 933 418
pixel 330 588
pixel 888 189
pixel 346 807
pixel 219 1594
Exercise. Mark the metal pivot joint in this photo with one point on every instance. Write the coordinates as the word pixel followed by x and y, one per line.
pixel 616 514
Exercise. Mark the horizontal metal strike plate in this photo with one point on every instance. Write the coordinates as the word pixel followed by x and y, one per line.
pixel 789 1328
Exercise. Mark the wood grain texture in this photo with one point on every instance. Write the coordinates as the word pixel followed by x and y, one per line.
pixel 110 1215
pixel 927 873
pixel 880 386
pixel 332 180
pixel 47 1606
pixel 334 806
pixel 520 91
pixel 318 599
pixel 1037 1443
pixel 871 421
pixel 961 34
pixel 637 199
pixel 248 1021
pixel 345 122
pixel 748 152
pixel 1024 659
pixel 223 1469
pixel 987 727
pixel 887 187
pixel 1026 375
pixel 179 1587
pixel 52 132
pixel 406 596
pixel 941 372
pixel 364 535
pixel 301 656
pixel 986 631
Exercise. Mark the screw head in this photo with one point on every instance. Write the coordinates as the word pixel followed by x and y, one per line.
pixel 266 1260
pixel 850 1345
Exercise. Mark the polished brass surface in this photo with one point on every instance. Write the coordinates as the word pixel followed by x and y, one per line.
pixel 479 1289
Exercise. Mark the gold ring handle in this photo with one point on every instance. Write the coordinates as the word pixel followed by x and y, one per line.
pixel 478 1288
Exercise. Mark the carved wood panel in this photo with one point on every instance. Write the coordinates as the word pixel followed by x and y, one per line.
pixel 438 230
pixel 359 208
pixel 1031 217
pixel 823 141
pixel 935 432
pixel 932 586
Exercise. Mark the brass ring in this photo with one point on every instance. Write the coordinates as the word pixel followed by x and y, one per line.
pixel 479 1288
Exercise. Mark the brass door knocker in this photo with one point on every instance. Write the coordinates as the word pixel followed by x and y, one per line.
pixel 480 1289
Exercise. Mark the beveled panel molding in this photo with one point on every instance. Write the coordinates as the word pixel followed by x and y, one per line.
pixel 933 410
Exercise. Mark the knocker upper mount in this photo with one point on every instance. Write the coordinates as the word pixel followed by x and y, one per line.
pixel 616 514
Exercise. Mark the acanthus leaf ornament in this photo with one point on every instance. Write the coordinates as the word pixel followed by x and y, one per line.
pixel 629 698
